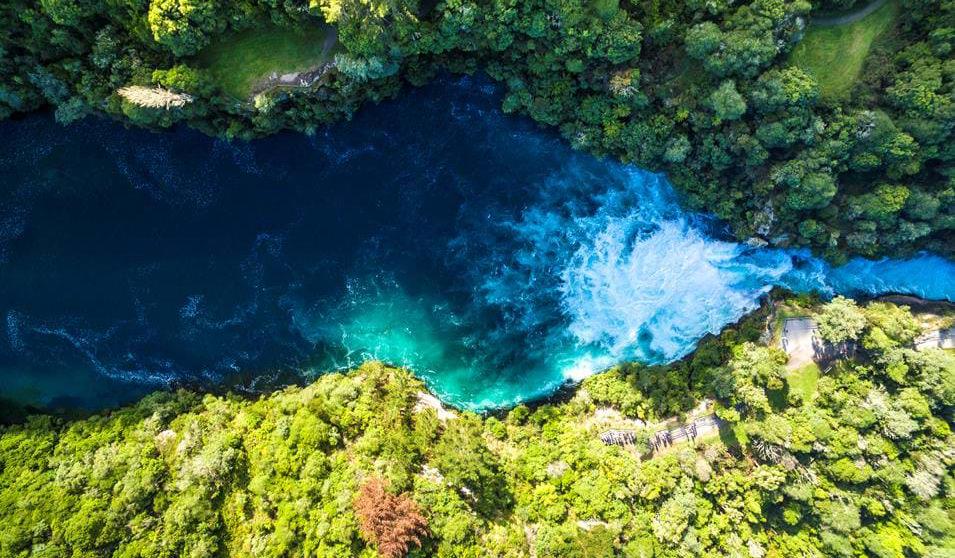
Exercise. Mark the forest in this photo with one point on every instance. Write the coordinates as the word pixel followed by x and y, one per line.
pixel 795 130
pixel 824 124
pixel 852 457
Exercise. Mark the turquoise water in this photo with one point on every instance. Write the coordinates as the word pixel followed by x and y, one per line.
pixel 431 232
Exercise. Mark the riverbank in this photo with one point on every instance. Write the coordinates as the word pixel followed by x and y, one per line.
pixel 673 103
pixel 491 312
pixel 283 473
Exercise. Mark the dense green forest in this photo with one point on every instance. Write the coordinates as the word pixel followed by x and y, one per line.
pixel 818 123
pixel 855 459
pixel 843 144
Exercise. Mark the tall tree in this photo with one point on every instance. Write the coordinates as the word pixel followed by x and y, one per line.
pixel 841 320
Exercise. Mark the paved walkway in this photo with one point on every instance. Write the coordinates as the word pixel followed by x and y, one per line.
pixel 850 17
pixel 800 341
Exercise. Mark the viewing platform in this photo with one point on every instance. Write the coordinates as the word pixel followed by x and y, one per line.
pixel 940 339
pixel 702 426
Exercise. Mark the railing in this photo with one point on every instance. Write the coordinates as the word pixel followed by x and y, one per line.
pixel 663 438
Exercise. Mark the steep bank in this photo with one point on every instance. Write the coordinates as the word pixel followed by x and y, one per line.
pixel 707 93
pixel 431 232
pixel 855 462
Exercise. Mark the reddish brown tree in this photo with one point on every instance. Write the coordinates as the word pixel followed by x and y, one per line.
pixel 392 522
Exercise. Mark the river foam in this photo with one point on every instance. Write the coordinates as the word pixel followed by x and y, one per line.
pixel 640 279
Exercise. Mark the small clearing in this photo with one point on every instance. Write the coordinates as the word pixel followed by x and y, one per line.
pixel 834 54
pixel 802 381
pixel 241 63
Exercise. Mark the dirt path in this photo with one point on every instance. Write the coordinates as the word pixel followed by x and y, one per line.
pixel 850 17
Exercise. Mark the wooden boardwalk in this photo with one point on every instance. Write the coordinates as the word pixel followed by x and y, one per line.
pixel 619 437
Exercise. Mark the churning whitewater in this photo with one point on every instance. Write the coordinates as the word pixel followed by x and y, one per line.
pixel 640 279
pixel 431 232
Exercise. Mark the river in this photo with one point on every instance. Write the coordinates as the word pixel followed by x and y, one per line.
pixel 431 231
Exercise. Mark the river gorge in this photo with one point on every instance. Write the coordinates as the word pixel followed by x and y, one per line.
pixel 432 232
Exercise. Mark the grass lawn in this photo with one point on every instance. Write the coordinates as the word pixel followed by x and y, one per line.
pixel 802 381
pixel 834 55
pixel 240 60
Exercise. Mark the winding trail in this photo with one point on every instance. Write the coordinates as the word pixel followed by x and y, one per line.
pixel 850 17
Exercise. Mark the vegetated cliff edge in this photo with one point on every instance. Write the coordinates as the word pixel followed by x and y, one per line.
pixel 842 144
pixel 853 459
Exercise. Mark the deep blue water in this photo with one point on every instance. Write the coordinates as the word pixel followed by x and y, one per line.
pixel 431 231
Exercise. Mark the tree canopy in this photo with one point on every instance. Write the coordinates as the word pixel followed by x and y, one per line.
pixel 858 463
pixel 706 91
